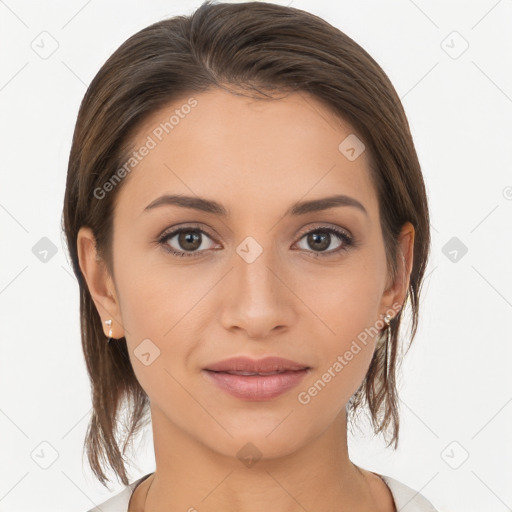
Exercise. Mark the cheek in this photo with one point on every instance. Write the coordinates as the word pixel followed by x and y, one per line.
pixel 345 300
pixel 160 309
pixel 346 306
pixel 153 298
pixel 344 346
pixel 347 353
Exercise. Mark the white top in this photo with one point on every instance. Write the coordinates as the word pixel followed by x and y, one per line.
pixel 405 498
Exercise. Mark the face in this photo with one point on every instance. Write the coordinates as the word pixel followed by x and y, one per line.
pixel 252 276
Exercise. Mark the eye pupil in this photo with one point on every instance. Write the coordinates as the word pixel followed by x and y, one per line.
pixel 323 238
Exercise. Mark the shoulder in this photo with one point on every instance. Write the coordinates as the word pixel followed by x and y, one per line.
pixel 119 502
pixel 407 499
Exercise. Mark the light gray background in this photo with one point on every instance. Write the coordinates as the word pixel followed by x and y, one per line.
pixel 456 391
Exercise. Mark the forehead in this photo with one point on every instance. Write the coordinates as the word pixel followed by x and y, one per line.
pixel 253 152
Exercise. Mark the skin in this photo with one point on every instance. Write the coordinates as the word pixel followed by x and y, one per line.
pixel 256 158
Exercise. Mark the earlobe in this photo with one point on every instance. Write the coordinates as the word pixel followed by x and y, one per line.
pixel 99 282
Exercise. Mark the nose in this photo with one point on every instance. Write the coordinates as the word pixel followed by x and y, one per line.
pixel 258 298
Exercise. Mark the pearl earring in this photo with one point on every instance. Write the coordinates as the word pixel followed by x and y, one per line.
pixel 109 324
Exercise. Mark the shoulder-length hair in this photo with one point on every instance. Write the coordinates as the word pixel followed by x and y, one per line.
pixel 258 49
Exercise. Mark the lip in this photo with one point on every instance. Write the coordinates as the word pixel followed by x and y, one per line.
pixel 256 387
pixel 265 365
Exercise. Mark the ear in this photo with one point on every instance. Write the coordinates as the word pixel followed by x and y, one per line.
pixel 394 296
pixel 99 282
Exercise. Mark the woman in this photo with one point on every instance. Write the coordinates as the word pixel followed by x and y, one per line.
pixel 246 217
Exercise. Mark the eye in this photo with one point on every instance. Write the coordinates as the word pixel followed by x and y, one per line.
pixel 321 238
pixel 190 239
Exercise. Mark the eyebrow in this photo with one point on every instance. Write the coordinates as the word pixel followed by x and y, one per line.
pixel 210 206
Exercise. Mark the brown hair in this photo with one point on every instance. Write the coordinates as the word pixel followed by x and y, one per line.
pixel 257 48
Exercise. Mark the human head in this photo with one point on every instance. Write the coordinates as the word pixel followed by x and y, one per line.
pixel 254 49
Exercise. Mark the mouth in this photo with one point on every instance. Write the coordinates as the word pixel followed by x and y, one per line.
pixel 256 386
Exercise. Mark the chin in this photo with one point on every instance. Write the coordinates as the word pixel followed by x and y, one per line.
pixel 264 440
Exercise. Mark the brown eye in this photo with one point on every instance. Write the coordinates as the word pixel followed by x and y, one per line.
pixel 189 241
pixel 320 239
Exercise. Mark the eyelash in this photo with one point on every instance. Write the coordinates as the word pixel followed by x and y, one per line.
pixel 348 242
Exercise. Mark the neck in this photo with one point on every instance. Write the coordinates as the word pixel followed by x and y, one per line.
pixel 191 476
